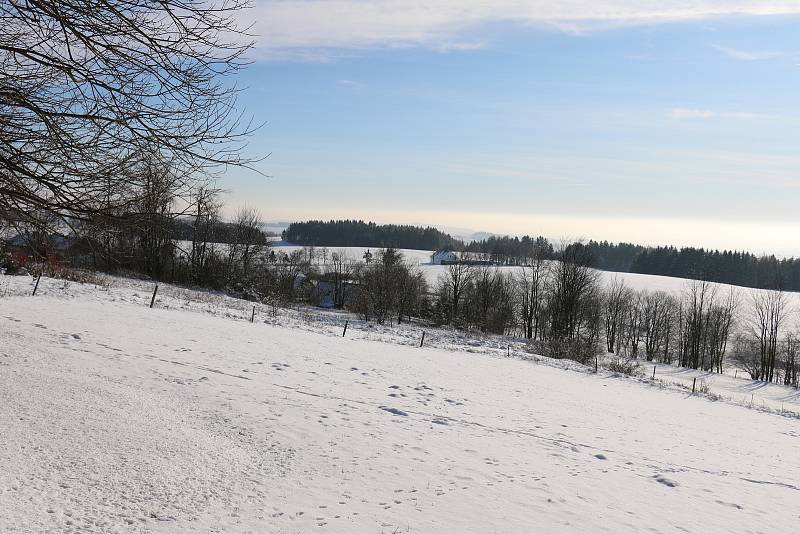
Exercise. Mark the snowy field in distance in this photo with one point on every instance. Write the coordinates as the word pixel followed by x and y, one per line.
pixel 187 418
pixel 639 282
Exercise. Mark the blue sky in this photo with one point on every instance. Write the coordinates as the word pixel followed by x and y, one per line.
pixel 634 123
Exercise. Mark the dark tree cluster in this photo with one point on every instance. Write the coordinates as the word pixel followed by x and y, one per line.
pixel 352 233
pixel 552 298
pixel 729 267
pixel 149 239
pixel 507 250
pixel 389 288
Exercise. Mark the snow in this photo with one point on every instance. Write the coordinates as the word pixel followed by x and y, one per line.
pixel 188 418
pixel 732 388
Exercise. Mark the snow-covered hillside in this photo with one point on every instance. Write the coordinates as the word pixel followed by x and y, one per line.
pixel 639 282
pixel 188 418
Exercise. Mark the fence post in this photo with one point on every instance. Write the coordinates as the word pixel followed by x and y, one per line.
pixel 37 285
pixel 508 351
pixel 345 328
pixel 654 372
pixel 694 382
pixel 253 316
pixel 595 363
pixel 421 341
pixel 153 300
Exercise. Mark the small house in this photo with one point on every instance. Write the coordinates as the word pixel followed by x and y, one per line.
pixel 443 257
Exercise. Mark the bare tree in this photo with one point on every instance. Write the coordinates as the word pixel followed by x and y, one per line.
pixel 531 286
pixel 658 315
pixel 487 285
pixel 745 351
pixel 381 285
pixel 88 85
pixel 151 218
pixel 617 298
pixel 453 284
pixel 792 347
pixel 281 279
pixel 206 207
pixel 718 325
pixel 633 324
pixel 573 281
pixel 573 307
pixel 769 312
pixel 246 242
pixel 341 270
pixel 412 290
pixel 698 299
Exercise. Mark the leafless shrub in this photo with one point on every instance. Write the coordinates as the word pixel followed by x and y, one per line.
pixel 625 366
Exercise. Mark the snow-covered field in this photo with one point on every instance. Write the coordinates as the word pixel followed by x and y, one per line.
pixel 188 418
pixel 638 282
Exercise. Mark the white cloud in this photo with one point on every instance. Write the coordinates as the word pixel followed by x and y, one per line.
pixel 691 113
pixel 285 25
pixel 745 55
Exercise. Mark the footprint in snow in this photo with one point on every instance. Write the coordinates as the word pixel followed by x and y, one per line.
pixel 663 480
pixel 394 411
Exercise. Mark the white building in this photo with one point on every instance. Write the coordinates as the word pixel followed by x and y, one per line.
pixel 443 256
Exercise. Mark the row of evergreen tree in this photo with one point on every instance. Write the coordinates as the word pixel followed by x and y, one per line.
pixel 729 267
pixel 352 233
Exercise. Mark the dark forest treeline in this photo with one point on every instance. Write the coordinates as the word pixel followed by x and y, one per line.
pixel 730 267
pixel 604 255
pixel 352 233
